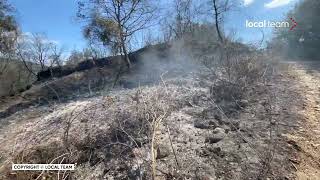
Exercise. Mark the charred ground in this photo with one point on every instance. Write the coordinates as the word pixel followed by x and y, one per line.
pixel 173 115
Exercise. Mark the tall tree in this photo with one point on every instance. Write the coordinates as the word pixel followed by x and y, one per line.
pixel 219 8
pixel 8 34
pixel 8 27
pixel 113 22
pixel 183 17
pixel 38 49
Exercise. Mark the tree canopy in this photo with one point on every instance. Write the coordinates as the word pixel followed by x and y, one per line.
pixel 302 42
pixel 113 22
pixel 8 27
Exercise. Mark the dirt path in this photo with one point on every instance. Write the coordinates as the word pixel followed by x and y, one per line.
pixel 307 138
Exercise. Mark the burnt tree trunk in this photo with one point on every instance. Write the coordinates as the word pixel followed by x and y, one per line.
pixel 216 15
pixel 126 55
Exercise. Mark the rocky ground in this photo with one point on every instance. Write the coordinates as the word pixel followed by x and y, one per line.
pixel 272 132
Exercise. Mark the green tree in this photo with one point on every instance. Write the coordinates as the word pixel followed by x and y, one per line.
pixel 8 27
pixel 113 22
pixel 8 35
pixel 304 40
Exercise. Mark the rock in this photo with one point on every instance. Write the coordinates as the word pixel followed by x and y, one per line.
pixel 213 124
pixel 218 130
pixel 162 151
pixel 204 124
pixel 201 124
pixel 243 103
pixel 212 139
pixel 217 136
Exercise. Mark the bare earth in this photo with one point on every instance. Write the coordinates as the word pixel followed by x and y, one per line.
pixel 307 138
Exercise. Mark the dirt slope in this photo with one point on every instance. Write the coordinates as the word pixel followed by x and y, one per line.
pixel 274 134
pixel 307 138
pixel 196 139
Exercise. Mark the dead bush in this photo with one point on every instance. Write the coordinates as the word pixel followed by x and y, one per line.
pixel 235 72
pixel 239 78
pixel 226 91
pixel 137 126
pixel 244 70
pixel 133 125
pixel 14 78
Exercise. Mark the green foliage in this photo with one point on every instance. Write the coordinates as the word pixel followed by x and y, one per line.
pixel 102 30
pixel 113 23
pixel 304 40
pixel 8 27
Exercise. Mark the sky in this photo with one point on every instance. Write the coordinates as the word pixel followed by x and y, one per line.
pixel 56 18
pixel 256 11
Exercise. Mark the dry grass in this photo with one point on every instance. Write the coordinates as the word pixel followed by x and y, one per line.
pixel 52 153
pixel 127 128
pixel 123 124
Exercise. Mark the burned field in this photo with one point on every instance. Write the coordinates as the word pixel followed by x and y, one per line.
pixel 230 123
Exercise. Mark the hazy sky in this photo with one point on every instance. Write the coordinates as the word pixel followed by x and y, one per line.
pixel 57 18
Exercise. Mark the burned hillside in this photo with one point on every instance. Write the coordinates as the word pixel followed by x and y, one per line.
pixel 159 90
pixel 172 115
pixel 161 50
pixel 181 127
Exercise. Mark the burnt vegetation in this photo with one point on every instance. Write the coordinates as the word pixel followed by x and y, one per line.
pixel 190 102
pixel 109 62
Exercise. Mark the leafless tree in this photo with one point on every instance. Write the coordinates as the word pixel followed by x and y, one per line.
pixel 113 22
pixel 183 17
pixel 56 55
pixel 219 8
pixel 37 49
pixel 180 22
pixel 75 57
